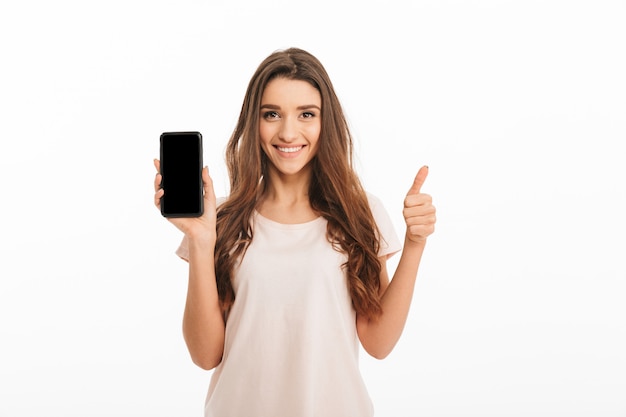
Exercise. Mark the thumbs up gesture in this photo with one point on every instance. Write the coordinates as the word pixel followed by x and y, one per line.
pixel 419 212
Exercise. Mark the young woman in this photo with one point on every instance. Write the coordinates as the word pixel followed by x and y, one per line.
pixel 288 273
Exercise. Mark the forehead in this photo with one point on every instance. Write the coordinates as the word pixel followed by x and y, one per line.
pixel 287 92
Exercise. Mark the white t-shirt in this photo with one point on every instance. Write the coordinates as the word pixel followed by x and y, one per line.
pixel 291 347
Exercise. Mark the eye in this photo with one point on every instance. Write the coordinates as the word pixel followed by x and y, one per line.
pixel 269 115
pixel 308 115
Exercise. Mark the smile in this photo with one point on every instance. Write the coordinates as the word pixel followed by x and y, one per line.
pixel 290 149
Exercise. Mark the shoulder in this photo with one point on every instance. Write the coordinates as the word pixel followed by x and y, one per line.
pixel 389 240
pixel 377 206
pixel 379 212
pixel 372 199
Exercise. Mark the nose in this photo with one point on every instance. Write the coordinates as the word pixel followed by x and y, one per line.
pixel 288 130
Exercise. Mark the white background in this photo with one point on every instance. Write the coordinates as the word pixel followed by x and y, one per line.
pixel 518 107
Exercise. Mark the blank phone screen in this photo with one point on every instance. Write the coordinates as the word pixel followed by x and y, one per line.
pixel 181 170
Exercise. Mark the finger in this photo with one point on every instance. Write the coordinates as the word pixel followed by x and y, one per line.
pixel 207 181
pixel 421 199
pixel 421 226
pixel 419 181
pixel 418 205
pixel 423 219
pixel 157 177
pixel 421 231
pixel 157 182
pixel 157 198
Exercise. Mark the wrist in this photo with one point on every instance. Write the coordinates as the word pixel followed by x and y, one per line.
pixel 201 240
pixel 414 241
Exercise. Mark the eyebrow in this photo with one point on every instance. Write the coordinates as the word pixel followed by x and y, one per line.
pixel 303 107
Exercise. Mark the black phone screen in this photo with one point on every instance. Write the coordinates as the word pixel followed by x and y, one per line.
pixel 181 171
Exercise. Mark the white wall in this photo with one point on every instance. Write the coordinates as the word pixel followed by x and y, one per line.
pixel 518 107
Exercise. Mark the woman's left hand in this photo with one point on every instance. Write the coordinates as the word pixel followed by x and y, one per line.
pixel 419 212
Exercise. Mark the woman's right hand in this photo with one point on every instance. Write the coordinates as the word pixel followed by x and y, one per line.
pixel 202 227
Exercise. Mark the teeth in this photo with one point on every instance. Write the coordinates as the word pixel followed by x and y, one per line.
pixel 289 150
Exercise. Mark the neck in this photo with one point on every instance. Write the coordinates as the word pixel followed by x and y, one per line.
pixel 286 198
pixel 287 189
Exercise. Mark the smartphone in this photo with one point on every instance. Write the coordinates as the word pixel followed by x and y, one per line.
pixel 181 171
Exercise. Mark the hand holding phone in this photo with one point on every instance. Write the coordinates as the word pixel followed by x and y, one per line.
pixel 203 227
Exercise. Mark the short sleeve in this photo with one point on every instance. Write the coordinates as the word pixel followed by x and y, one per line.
pixel 183 248
pixel 389 241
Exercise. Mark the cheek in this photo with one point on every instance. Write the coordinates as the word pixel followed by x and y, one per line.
pixel 313 132
pixel 264 132
pixel 314 136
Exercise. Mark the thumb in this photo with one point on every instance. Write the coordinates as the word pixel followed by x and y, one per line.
pixel 419 180
pixel 207 183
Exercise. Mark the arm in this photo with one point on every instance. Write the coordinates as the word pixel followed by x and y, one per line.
pixel 379 336
pixel 203 323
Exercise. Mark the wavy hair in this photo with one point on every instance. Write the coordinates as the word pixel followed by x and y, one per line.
pixel 335 191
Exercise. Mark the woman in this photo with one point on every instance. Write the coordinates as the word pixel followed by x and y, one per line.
pixel 288 273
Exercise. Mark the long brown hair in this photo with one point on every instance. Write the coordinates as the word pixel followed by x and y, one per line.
pixel 335 191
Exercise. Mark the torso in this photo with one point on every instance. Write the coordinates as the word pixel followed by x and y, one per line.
pixel 294 213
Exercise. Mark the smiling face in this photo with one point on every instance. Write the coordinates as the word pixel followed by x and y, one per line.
pixel 290 125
